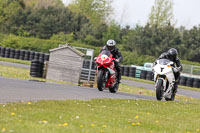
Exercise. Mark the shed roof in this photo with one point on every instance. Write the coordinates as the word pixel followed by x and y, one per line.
pixel 67 46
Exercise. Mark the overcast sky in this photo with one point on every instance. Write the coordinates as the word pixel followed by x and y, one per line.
pixel 132 12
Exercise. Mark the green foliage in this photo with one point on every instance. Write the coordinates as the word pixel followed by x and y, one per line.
pixel 161 13
pixel 113 32
pixel 67 38
pixel 43 3
pixel 40 45
pixel 96 10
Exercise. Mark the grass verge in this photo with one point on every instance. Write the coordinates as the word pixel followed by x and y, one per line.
pixel 23 73
pixel 152 82
pixel 15 61
pixel 100 115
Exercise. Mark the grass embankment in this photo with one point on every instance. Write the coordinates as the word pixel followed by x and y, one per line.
pixel 23 73
pixel 15 61
pixel 106 115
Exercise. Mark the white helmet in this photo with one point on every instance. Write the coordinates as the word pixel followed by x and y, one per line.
pixel 111 43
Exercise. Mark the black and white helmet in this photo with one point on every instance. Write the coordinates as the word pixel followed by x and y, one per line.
pixel 111 44
pixel 172 54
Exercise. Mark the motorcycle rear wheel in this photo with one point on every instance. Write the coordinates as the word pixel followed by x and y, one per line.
pixel 159 90
pixel 100 80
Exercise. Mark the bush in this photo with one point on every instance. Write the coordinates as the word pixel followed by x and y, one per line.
pixel 67 38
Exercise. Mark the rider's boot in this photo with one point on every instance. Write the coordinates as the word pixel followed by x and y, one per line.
pixel 119 76
pixel 175 87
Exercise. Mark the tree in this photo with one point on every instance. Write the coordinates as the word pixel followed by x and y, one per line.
pixel 43 3
pixel 12 15
pixel 161 13
pixel 97 11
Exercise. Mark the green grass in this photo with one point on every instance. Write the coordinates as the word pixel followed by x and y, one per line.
pixel 15 61
pixel 152 82
pixel 23 73
pixel 100 115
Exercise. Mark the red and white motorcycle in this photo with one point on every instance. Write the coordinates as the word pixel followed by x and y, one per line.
pixel 164 79
pixel 107 75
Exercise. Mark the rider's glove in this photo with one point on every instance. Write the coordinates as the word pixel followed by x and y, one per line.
pixel 176 69
pixel 117 60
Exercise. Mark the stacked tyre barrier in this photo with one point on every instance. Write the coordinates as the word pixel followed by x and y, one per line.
pixel 190 82
pixel 132 71
pixel 23 54
pixel 37 59
pixel 126 71
pixel 36 68
pixel 143 74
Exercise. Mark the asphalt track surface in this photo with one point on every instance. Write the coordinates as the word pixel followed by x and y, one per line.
pixel 15 90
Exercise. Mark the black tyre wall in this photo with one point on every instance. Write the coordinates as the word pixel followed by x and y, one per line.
pixel 12 53
pixel 126 71
pixel 189 82
pixel 27 55
pixel 149 75
pixel 22 54
pixel 7 53
pixel 46 58
pixel 32 54
pixel 132 71
pixel 182 80
pixel 2 51
pixel 122 69
pixel 36 69
pixel 196 83
pixel 143 74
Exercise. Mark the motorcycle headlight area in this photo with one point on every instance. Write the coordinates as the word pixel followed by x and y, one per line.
pixel 104 57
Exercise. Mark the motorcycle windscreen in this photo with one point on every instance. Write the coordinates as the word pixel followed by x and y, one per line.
pixel 164 61
pixel 106 52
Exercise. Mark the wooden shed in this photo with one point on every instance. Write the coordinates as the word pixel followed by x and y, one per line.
pixel 65 64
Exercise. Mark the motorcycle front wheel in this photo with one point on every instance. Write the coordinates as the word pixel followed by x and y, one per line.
pixel 100 80
pixel 114 88
pixel 159 90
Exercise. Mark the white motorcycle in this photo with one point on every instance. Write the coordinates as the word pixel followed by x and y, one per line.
pixel 164 79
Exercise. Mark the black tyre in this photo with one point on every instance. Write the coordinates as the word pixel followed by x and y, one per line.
pixel 46 58
pixel 189 82
pixel 196 83
pixel 149 75
pixel 159 90
pixel 182 81
pixel 32 54
pixel 12 53
pixel 122 68
pixel 114 89
pixel 36 56
pixel 143 74
pixel 100 80
pixel 132 71
pixel 2 51
pixel 17 53
pixel 126 71
pixel 7 53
